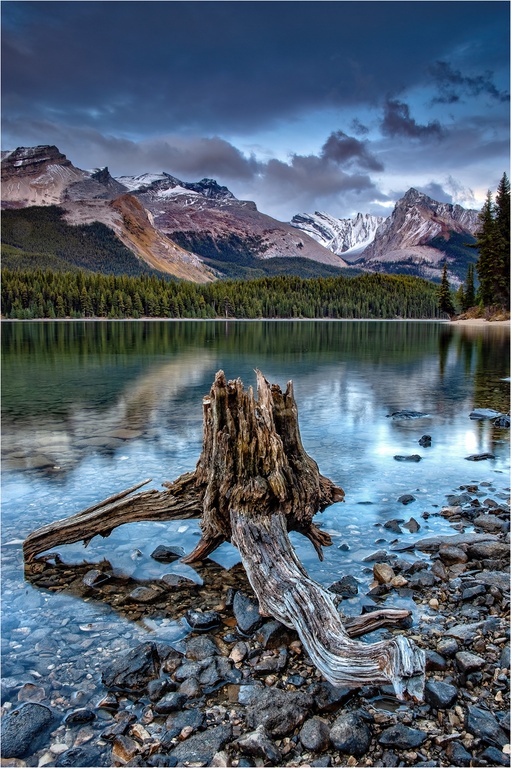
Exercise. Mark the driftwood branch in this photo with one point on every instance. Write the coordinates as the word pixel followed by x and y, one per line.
pixel 253 483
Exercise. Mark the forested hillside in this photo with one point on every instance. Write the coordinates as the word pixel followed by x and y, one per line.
pixel 49 294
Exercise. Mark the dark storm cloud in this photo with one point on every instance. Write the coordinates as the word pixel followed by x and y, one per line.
pixel 347 150
pixel 453 85
pixel 397 121
pixel 171 66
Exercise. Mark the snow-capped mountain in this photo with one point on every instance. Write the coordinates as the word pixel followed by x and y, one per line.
pixel 346 237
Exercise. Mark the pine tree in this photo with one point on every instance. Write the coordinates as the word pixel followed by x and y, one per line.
pixel 502 235
pixel 445 302
pixel 487 257
pixel 469 293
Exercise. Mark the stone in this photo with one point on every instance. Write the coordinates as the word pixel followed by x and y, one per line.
pixel 504 661
pixel 451 555
pixel 314 734
pixel 435 662
pixel 273 634
pixel 482 724
pixel 502 421
pixel 166 554
pixel 488 550
pixel 458 754
pixel 169 703
pixel 448 646
pixel 25 729
pixel 246 613
pixel 190 688
pixel 258 744
pixel 133 670
pixel 200 648
pixel 95 578
pixel 145 594
pixel 383 573
pixel 346 587
pixel 124 749
pixel 402 737
pixel 393 525
pixel 412 525
pixel 490 523
pixel 79 716
pixel 425 441
pixel 433 543
pixel 174 724
pixel 202 747
pixel 406 415
pixel 238 652
pixel 406 498
pixel 413 457
pixel 158 688
pixel 494 756
pixel 175 581
pixel 350 734
pixel 31 692
pixel 439 694
pixel 484 413
pixel 468 662
pixel 421 579
pixel 472 592
pixel 203 621
pixel 77 756
pixel 480 456
pixel 280 712
pixel 328 697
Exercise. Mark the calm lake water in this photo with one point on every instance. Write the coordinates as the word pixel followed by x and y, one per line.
pixel 91 408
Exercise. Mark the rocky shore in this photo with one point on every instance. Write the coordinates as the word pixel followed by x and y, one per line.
pixel 239 690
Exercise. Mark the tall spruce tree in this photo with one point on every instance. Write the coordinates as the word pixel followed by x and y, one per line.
pixel 494 248
pixel 469 293
pixel 445 302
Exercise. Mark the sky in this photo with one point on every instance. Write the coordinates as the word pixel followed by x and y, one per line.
pixel 336 106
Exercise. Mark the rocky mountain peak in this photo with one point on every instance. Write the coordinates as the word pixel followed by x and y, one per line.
pixel 26 161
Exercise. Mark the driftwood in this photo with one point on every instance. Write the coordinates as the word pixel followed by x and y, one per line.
pixel 253 483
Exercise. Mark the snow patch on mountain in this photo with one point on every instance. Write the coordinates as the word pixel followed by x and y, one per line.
pixel 341 236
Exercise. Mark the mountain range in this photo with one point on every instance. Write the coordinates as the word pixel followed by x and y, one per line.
pixel 199 231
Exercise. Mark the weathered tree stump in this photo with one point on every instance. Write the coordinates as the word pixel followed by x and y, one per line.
pixel 253 483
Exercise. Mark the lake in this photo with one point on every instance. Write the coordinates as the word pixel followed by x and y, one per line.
pixel 93 407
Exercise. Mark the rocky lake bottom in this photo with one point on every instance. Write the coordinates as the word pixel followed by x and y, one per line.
pixel 238 689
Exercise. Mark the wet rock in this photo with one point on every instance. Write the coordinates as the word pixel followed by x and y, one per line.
pixel 80 756
pixel 350 734
pixel 472 592
pixel 459 500
pixel 406 415
pixel 484 413
pixel 425 441
pixel 435 662
pixel 468 662
pixel 133 670
pixel 383 573
pixel 491 524
pixel 440 695
pixel 412 457
pixel 346 587
pixel 169 703
pixel 393 525
pixel 159 760
pixel 258 744
pixel 156 689
pixel 174 724
pixel 412 525
pixel 481 723
pixel 494 756
pixel 321 762
pixel 175 581
pixel 201 747
pixel 203 622
pixel 422 579
pixel 95 578
pixel 314 734
pixel 31 692
pixel 145 595
pixel 124 748
pixel 433 543
pixel 480 456
pixel 447 647
pixel 502 421
pixel 402 737
pixel 166 554
pixel 488 550
pixel 279 711
pixel 328 697
pixel 504 661
pixel 458 754
pixel 190 688
pixel 80 716
pixel 380 555
pixel 273 634
pixel 246 613
pixel 200 648
pixel 25 729
pixel 451 555
pixel 189 669
pixel 406 498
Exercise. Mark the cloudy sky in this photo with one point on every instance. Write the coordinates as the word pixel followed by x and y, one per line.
pixel 301 106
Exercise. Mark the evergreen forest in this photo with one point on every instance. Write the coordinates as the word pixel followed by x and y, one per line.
pixel 50 294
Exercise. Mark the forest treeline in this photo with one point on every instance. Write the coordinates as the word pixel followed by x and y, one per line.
pixel 31 294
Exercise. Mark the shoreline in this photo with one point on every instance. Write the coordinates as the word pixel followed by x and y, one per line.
pixel 472 322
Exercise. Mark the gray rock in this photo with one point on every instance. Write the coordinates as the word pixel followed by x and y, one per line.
pixel 503 422
pixel 406 415
pixel 393 525
pixel 203 622
pixel 201 747
pixel 467 632
pixel 258 744
pixel 133 670
pixel 412 525
pixel 169 703
pixel 435 662
pixel 273 634
pixel 190 688
pixel 494 756
pixel 174 724
pixel 504 661
pixel 402 737
pixel 246 613
pixel 484 413
pixel 145 594
pixel 425 441
pixel 95 578
pixel 77 756
pixel 472 592
pixel 328 697
pixel 80 716
pixel 422 579
pixel 433 543
pixel 447 647
pixel 25 729
pixel 158 688
pixel 481 723
pixel 458 754
pixel 406 498
pixel 468 662
pixel 200 648
pixel 489 550
pixel 279 711
pixel 167 554
pixel 490 523
pixel 350 734
pixel 314 734
pixel 480 456
pixel 450 555
pixel 413 457
pixel 440 695
pixel 346 587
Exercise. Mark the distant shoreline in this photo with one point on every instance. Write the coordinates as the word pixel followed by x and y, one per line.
pixel 476 322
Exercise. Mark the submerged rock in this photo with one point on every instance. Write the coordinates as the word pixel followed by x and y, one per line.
pixel 132 671
pixel 24 729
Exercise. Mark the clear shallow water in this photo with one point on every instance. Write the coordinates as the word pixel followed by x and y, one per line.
pixel 91 408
